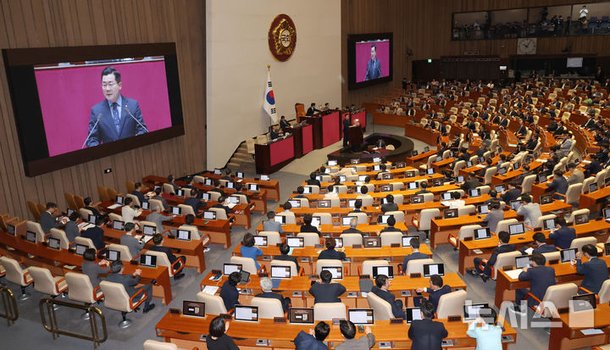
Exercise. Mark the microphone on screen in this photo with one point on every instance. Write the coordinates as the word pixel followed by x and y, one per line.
pixel 99 116
pixel 134 118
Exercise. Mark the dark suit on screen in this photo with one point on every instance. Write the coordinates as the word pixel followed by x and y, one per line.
pixel 105 131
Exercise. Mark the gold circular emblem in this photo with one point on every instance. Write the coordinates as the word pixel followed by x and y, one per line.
pixel 282 37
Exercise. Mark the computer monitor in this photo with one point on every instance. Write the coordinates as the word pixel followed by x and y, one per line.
pixel 371 242
pixel 542 178
pixel 307 190
pixel 253 187
pixel 413 185
pixel 342 178
pixel 607 213
pixel 502 170
pixel 386 188
pixel 80 249
pixel 295 242
pixel 483 208
pixel 584 302
pixel 446 196
pixel 593 187
pixel 316 221
pixel 176 211
pixel 459 179
pixel 361 316
pixel 54 243
pixel 522 261
pixel 499 188
pixel 118 225
pixel 30 236
pixel 228 268
pixel 548 224
pixel 145 205
pixel 410 174
pixel 193 308
pixel 239 174
pixel 376 160
pixel 581 219
pixel 183 235
pixel 383 270
pixel 148 260
pixel 336 271
pixel 376 167
pixel 362 178
pixel 234 200
pixel 180 193
pixel 474 192
pixel 516 229
pixel 120 199
pixel 568 255
pixel 205 196
pixel 300 315
pixel 230 185
pixel 430 171
pixel 351 203
pixel 472 311
pixel 113 255
pixel 413 314
pixel 384 219
pixel 149 230
pixel 434 269
pixel 245 276
pixel 406 240
pixel 482 233
pixel 546 199
pixel 295 203
pixel 417 199
pixel 246 313
pixel 260 241
pixel 450 213
pixel 10 229
pixel 282 272
pixel 209 215
pixel 468 164
pixel 332 163
pixel 265 177
pixel 325 203
pixel 209 182
pixel 338 242
pixel 346 220
pixel 92 219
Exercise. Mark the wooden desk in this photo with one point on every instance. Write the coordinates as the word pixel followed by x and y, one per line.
pixel 420 158
pixel 274 155
pixel 241 212
pixel 337 230
pixel 591 200
pixel 271 186
pixel 567 338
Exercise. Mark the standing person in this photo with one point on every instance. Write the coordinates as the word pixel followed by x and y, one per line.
pixel 217 339
pixel 346 124
pixel 488 335
pixel 348 330
pixel 373 66
pixel 426 334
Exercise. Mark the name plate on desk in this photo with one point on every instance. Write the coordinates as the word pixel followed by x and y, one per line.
pixel 415 275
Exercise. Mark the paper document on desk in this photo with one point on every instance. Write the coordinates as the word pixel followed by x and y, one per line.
pixel 211 290
pixel 145 239
pixel 85 225
pixel 514 274
pixel 592 331
pixel 231 205
pixel 480 166
pixel 529 251
pixel 114 206
pixel 539 160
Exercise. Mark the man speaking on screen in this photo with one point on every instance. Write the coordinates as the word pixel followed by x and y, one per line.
pixel 115 118
pixel 373 67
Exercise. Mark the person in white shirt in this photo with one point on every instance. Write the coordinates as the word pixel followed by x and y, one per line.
pixel 530 211
pixel 583 13
pixel 457 201
pixel 128 212
pixel 331 194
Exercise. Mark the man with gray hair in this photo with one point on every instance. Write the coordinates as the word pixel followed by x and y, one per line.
pixel 158 218
pixel 267 286
pixel 353 223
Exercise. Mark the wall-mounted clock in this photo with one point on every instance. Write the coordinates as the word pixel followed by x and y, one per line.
pixel 527 46
pixel 282 37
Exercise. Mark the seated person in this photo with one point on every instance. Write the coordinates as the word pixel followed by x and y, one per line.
pixel 488 335
pixel 222 204
pixel 89 206
pixel 300 192
pixel 158 218
pixel 348 330
pixel 563 235
pixel 312 181
pixel 540 277
pixel 595 270
pixel 248 250
pixel 271 225
pixel 389 205
pixel 423 188
pixel 285 250
pixel 129 212
pixel 71 228
pixel 390 227
pixel 559 185
pixel 540 245
pixel 266 286
pixel 436 290
pixel 331 194
pixel 138 192
pixel 287 207
pixel 307 226
pixel 353 223
pixel 493 217
pixel 238 190
pixel 425 333
pixel 364 194
pixel 511 194
pixel 49 218
pixel 530 211
pixel 330 252
pixel 456 201
pixel 130 282
pixel 94 269
pixel 217 338
pixel 194 201
pixel 96 233
pixel 380 289
pixel 358 203
pixel 482 267
pixel 229 292
pixel 159 197
pixel 415 254
pixel 324 291
pixel 134 245
pixel 158 247
pixel 314 340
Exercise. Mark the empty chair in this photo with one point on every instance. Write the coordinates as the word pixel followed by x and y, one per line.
pixel 17 275
pixel 526 184
pixel 416 266
pixel 84 213
pixel 198 179
pixel 70 200
pixel 214 195
pixel 351 239
pixel 135 199
pixel 362 218
pixel 467 210
pixel 489 172
pixel 586 183
pixel 367 200
pixel 327 263
pixel 268 307
pixel 56 233
pixel 367 266
pixel 390 237
pixel 310 239
pixel 325 218
pixel 290 217
pixel 558 296
pixel 36 228
pixel 341 189
pixel 543 218
pixel 116 298
pixel 466 231
pixel 604 292
pixel 503 224
pixel 552 256
pixel 398 215
pixel 213 303
pixel 45 283
pixel 195 234
pixel 85 241
pixel 574 213
pixel 328 311
pixel 382 309
pixel 424 221
pixel 291 264
pixel 503 260
pixel 304 202
pixel 159 345
pixel 459 165
pixel 125 254
pixel 572 195
pixel 399 198
pixel 80 289
pixel 578 243
pixel 273 238
pixel 168 188
pixel 116 217
pixel 451 304
pixel 186 209
pixel 428 197
pixel 600 178
pixel 397 186
pixel 156 203
pixel 221 214
pixel 484 189
pixel 247 264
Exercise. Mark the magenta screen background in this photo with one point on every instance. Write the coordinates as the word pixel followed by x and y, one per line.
pixel 363 54
pixel 67 94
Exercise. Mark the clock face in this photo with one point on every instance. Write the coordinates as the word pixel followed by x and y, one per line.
pixel 526 46
pixel 282 37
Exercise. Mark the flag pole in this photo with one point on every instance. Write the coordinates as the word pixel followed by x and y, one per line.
pixel 271 119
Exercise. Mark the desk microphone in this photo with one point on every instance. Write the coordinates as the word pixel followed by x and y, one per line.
pixel 134 118
pixel 99 116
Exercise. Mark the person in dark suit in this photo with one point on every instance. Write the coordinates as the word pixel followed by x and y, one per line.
pixel 312 181
pixel 217 338
pixel 229 292
pixel 130 282
pixel 346 124
pixel 312 109
pixel 330 252
pixel 307 226
pixel 130 241
pixel 482 267
pixel 326 292
pixel 391 223
pixel 540 245
pixel 358 202
pixel 89 206
pixel 49 219
pixel 138 192
pixel 158 247
pixel 436 290
pixel 373 66
pixel 194 201
pixel 160 198
pixel 595 270
pixel 117 117
pixel 382 284
pixel 284 124
pixel 71 228
pixel 541 277
pixel 96 233
pixel 511 194
pixel 558 185
pixel 415 254
pixel 221 205
pixel 426 334
pixel 423 188
pixel 314 340
pixel 266 287
pixel 564 235
pixel 284 250
pixel 389 205
pixel 94 269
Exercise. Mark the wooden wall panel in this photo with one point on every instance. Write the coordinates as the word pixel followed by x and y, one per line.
pixel 41 23
pixel 424 26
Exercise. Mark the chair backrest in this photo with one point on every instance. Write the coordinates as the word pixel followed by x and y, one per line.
pixel 159 345
pixel 290 218
pixel 367 266
pixel 61 235
pixel 489 172
pixel 115 217
pixel 526 184
pixel 193 230
pixel 115 296
pixel 102 191
pixel 573 193
pixel 299 109
pixel 320 263
pixel 14 272
pixel 70 200
pixel 467 231
pixel 341 189
pixel 390 237
pixel 268 307
pixel 79 287
pixel 467 210
pixel 162 260
pixel 186 209
pixel 604 292
pixel 484 189
pixel 122 249
pixel 552 256
pixel 574 213
pixel 328 311
pixel 34 210
pixel 586 183
pixel 85 241
pixel 84 213
pixel 381 308
pixel 397 186
pixel 399 215
pixel 36 228
pixel 325 218
pixel 221 214
pixel 313 189
pixel 541 219
pixel 503 224
pixel 559 295
pixel 582 241
pixel 425 218
pixel 247 264
pixel 43 280
pixel 310 239
pixel 416 266
pixel 451 304
pixel 134 198
pixel 168 188
pixel 505 259
pixel 291 264
pixel 350 239
pixel 213 303
pixel 273 238
pixel 362 217
pixel 458 165
pixel 428 197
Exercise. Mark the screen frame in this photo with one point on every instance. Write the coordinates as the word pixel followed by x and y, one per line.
pixel 351 59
